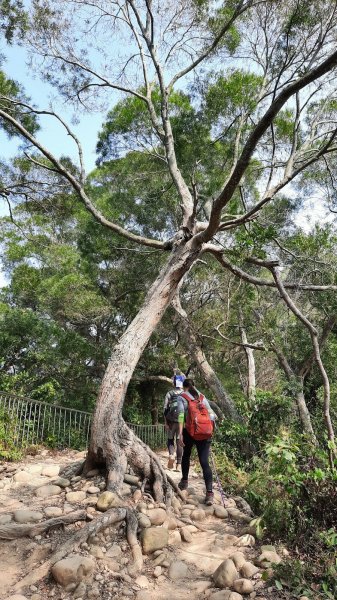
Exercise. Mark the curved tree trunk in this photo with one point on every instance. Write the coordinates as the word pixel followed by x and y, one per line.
pixel 251 378
pixel 211 379
pixel 112 443
pixel 303 410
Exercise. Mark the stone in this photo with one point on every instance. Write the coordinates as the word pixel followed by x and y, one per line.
pixel 74 497
pixel 62 482
pixel 157 571
pixel 200 586
pixel 16 597
pixel 22 476
pixel 27 516
pixel 225 574
pixel 144 522
pixel 174 538
pixel 186 536
pixel 114 551
pixel 226 595
pixel 170 523
pixel 92 473
pixel 53 511
pixel 47 490
pixel 72 569
pixel 131 479
pixel 176 504
pixel 209 510
pixel 50 471
pixel 237 515
pixel 178 570
pixel 268 558
pixel 157 516
pixel 220 512
pixel 248 569
pixel 142 582
pixel 80 590
pixel 4 519
pixel 137 495
pixel 238 559
pixel 245 540
pixel 108 500
pixel 36 469
pixel 96 551
pixel 198 515
pixel 160 560
pixel 93 490
pixel 243 586
pixel 186 512
pixel 154 538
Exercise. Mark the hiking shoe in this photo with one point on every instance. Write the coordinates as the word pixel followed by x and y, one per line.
pixel 178 467
pixel 209 498
pixel 170 462
pixel 183 484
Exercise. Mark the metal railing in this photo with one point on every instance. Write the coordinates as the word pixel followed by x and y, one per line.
pixel 29 422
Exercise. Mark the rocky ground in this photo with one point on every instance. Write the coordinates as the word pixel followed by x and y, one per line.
pixel 189 551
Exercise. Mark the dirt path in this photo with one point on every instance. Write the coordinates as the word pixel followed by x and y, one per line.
pixel 181 567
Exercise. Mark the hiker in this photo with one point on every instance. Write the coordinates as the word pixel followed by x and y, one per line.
pixel 196 426
pixel 171 420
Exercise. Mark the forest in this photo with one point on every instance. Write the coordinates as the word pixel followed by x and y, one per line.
pixel 204 239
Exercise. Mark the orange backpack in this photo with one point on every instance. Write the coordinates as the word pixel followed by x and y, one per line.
pixel 198 422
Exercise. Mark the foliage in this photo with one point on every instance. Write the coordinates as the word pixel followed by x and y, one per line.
pixel 8 445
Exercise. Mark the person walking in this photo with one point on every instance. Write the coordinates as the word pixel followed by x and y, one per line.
pixel 171 421
pixel 196 425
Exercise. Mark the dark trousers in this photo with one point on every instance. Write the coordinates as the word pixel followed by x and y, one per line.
pixel 173 434
pixel 203 449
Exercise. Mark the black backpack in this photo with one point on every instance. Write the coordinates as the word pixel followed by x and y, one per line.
pixel 171 412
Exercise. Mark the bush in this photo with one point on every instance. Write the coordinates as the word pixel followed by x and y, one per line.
pixel 8 447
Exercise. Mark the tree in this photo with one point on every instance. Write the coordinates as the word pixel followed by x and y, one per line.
pixel 267 125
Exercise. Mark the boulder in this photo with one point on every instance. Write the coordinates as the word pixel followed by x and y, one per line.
pixel 73 569
pixel 248 569
pixel 47 490
pixel 225 574
pixel 27 516
pixel 157 516
pixel 74 497
pixel 220 512
pixel 178 570
pixel 243 586
pixel 154 538
pixel 238 559
pixel 108 500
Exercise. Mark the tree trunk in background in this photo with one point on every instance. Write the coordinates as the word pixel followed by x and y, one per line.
pixel 112 443
pixel 303 410
pixel 154 406
pixel 192 345
pixel 251 378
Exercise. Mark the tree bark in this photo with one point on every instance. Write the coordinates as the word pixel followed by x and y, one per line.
pixel 211 379
pixel 303 410
pixel 251 379
pixel 112 443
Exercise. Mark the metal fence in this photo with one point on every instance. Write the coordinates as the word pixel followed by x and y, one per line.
pixel 28 422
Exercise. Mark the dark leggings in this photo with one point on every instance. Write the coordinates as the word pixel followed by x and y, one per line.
pixel 203 449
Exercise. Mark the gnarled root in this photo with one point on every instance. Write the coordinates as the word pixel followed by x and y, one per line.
pixel 14 531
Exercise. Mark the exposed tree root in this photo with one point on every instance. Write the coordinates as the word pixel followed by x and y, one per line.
pixel 131 536
pixel 190 522
pixel 12 532
pixel 72 470
pixel 115 515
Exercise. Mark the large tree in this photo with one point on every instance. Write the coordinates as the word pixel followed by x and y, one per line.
pixel 259 113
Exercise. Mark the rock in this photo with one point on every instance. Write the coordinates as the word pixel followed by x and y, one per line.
pixel 80 590
pixel 209 510
pixel 176 504
pixel 157 571
pixel 51 471
pixel 186 536
pixel 160 560
pixel 154 538
pixel 73 569
pixel 4 519
pixel 62 482
pixel 144 522
pixel 243 586
pixel 225 574
pixel 191 528
pixel 268 558
pixel 226 595
pixel 245 540
pixel 16 597
pixel 200 586
pixel 92 473
pixel 74 497
pixel 186 512
pixel 142 582
pixel 125 490
pixel 96 551
pixel 108 500
pixel 35 469
pixel 52 511
pixel 237 515
pixel 239 559
pixel 220 512
pixel 114 551
pixel 248 569
pixel 131 479
pixel 22 476
pixel 170 523
pixel 178 570
pixel 157 516
pixel 137 495
pixel 93 490
pixel 27 516
pixel 198 514
pixel 174 538
pixel 47 490
pixel 303 598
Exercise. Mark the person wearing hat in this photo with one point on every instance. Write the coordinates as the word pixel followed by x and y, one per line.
pixel 171 415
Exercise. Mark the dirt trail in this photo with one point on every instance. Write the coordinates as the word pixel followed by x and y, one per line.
pixel 180 569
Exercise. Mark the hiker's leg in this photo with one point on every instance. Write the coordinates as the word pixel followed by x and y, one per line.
pixel 187 449
pixel 170 440
pixel 178 447
pixel 203 449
